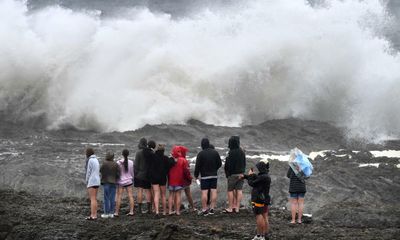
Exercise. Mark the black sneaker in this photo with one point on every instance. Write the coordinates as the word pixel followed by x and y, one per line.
pixel 211 212
pixel 203 212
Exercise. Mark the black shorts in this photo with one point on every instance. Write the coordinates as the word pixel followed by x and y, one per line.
pixel 127 185
pixel 159 181
pixel 210 183
pixel 139 183
pixel 257 209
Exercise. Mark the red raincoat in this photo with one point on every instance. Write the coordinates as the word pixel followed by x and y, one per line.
pixel 179 174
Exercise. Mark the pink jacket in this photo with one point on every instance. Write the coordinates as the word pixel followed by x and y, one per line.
pixel 126 177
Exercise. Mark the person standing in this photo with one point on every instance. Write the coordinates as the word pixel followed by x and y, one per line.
pixel 125 183
pixel 208 161
pixel 297 191
pixel 176 177
pixel 92 181
pixel 260 198
pixel 141 172
pixel 110 174
pixel 159 173
pixel 235 166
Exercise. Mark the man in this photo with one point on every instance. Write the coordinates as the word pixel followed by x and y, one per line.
pixel 208 162
pixel 141 168
pixel 235 166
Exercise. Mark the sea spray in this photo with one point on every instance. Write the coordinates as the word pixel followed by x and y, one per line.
pixel 253 61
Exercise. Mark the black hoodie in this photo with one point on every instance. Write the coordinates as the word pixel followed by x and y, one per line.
pixel 208 161
pixel 141 164
pixel 260 183
pixel 236 160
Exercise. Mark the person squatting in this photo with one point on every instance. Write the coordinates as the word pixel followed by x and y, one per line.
pixel 151 172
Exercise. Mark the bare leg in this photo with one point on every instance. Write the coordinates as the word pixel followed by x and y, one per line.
pixel 230 200
pixel 234 198
pixel 294 205
pixel 156 190
pixel 260 224
pixel 140 195
pixel 93 201
pixel 163 191
pixel 204 199
pixel 131 201
pixel 148 195
pixel 170 201
pixel 213 198
pixel 120 191
pixel 188 194
pixel 301 206
pixel 178 202
pixel 239 196
pixel 266 226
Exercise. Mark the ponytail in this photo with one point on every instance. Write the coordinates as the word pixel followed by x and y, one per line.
pixel 125 153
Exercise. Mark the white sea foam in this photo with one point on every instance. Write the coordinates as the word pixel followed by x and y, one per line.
pixel 253 61
pixel 283 158
pixel 103 144
pixel 386 153
pixel 313 155
pixel 370 165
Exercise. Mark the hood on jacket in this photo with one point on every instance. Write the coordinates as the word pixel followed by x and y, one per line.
pixel 142 143
pixel 205 143
pixel 234 142
pixel 262 167
pixel 179 151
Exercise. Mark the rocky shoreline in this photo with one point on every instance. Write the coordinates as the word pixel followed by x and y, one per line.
pixel 27 216
pixel 353 194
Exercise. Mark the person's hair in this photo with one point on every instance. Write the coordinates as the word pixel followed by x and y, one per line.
pixel 89 152
pixel 125 153
pixel 151 144
pixel 109 156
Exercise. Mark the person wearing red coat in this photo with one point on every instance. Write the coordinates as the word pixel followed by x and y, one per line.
pixel 177 177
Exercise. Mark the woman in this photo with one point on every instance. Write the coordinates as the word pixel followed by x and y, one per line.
pixel 158 177
pixel 297 191
pixel 176 178
pixel 92 181
pixel 125 183
pixel 110 174
pixel 260 197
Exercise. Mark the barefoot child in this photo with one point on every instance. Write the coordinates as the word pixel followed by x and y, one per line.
pixel 260 198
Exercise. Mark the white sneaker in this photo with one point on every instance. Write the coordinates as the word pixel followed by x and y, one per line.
pixel 258 237
pixel 104 216
pixel 111 215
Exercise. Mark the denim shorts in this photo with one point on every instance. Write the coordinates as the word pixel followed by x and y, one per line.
pixel 175 188
pixel 297 195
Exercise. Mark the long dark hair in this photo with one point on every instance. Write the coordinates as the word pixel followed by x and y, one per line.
pixel 125 153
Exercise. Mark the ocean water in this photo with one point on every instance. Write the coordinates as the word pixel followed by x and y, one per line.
pixel 226 63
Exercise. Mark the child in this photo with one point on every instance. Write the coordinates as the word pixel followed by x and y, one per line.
pixel 260 198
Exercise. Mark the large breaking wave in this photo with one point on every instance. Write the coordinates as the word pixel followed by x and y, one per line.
pixel 253 61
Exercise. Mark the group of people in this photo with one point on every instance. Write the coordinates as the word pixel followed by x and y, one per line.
pixel 152 172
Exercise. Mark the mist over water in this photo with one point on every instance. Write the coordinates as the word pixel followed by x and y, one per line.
pixel 243 64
